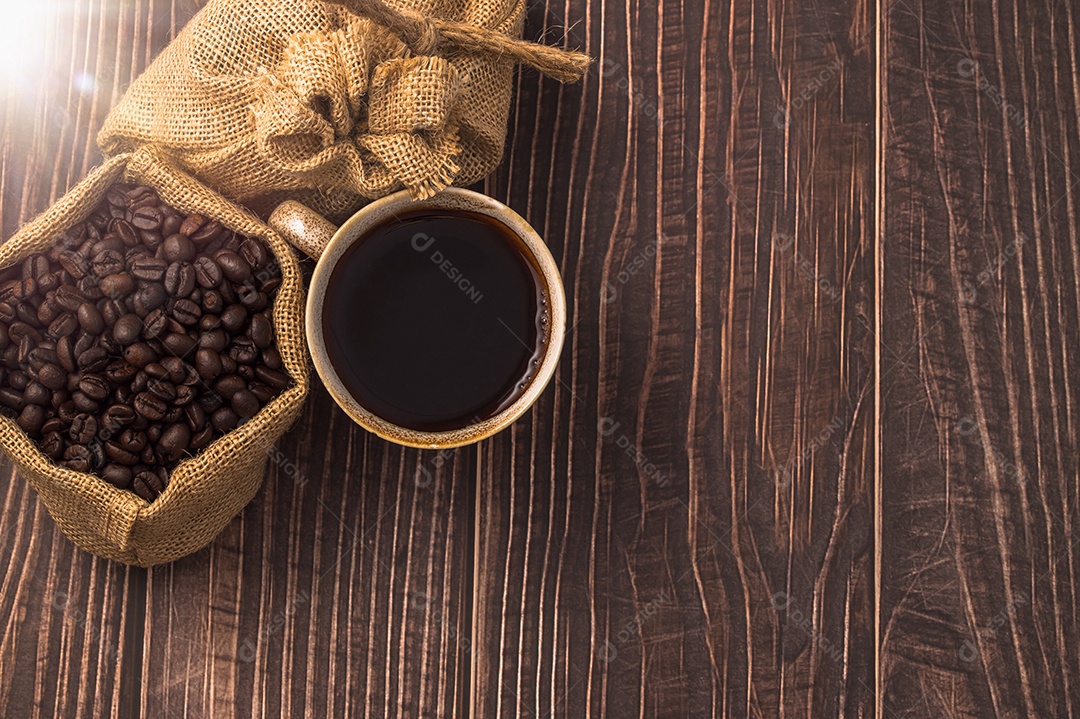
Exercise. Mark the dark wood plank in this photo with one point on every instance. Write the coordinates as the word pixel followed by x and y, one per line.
pixel 682 527
pixel 978 323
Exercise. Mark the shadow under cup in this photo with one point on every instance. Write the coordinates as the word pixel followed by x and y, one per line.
pixel 435 323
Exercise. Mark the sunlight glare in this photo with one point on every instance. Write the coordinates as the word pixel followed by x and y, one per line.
pixel 22 38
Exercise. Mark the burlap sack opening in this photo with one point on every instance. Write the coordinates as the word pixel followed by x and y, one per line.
pixel 208 490
pixel 265 100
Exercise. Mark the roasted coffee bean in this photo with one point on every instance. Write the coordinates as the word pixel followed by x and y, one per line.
pixel 48 311
pixel 107 262
pixel 146 218
pixel 157 370
pixel 233 318
pixel 208 363
pixel 63 326
pixel 179 344
pixel 116 417
pixel 244 351
pixel 139 487
pixel 206 234
pixel 67 411
pixel 202 437
pixel 178 248
pixel 180 278
pixel 132 440
pixel 41 356
pixel 84 403
pixel 95 387
pixel 261 331
pixel 52 376
pixel 117 286
pixel 84 428
pixel 116 453
pixel 139 354
pixel 207 272
pixel 117 475
pixel 162 388
pixel 74 264
pixel 173 443
pixel 93 359
pixel 52 444
pixel 171 224
pixel 108 242
pixel 148 298
pixel 195 416
pixel 186 312
pixel 21 330
pixel 215 339
pixel 125 232
pixel 185 394
pixel 148 268
pixel 120 372
pixel 150 406
pixel 12 398
pixel 77 457
pixel 191 224
pixel 128 329
pixel 229 385
pixel 7 312
pixel 224 420
pixel 37 393
pixel 90 319
pixel 88 288
pixel 212 304
pixel 263 392
pixel 254 253
pixel 233 266
pixel 246 371
pixel 156 324
pixel 31 418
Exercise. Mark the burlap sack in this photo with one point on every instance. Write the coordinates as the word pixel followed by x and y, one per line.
pixel 267 99
pixel 208 490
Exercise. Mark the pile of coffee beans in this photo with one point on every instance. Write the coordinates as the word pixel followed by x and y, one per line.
pixel 137 339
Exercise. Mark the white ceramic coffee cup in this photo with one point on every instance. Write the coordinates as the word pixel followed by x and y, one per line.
pixel 316 236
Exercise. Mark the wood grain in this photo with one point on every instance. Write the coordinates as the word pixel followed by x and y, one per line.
pixel 682 526
pixel 978 325
pixel 810 452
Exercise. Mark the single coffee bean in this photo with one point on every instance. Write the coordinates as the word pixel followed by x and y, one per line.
pixel 117 475
pixel 139 487
pixel 202 438
pixel 224 420
pixel 41 356
pixel 31 418
pixel 52 376
pixel 212 304
pixel 207 233
pixel 128 329
pixel 77 457
pixel 185 395
pixel 174 415
pixel 112 310
pixel 208 363
pixel 90 319
pixel 107 262
pixel 95 387
pixel 195 416
pixel 229 385
pixel 67 411
pixel 261 331
pixel 12 398
pixel 186 312
pixel 162 388
pixel 148 456
pixel 108 242
pixel 215 340
pixel 63 326
pixel 178 248
pixel 48 311
pixel 148 268
pixel 84 428
pixel 171 224
pixel 37 393
pixel 74 264
pixel 157 370
pixel 65 356
pixel 117 286
pixel 84 403
pixel 176 369
pixel 246 371
pixel 7 312
pixel 116 453
pixel 272 358
pixel 233 318
pixel 191 224
pixel 148 298
pixel 132 440
pixel 120 372
pixel 254 253
pixel 88 288
pixel 93 359
pixel 156 324
pixel 150 406
pixel 233 266
pixel 52 444
pixel 146 218
pixel 263 392
pixel 244 351
pixel 251 298
pixel 125 232
pixel 207 272
pixel 173 443
pixel 139 354
pixel 179 344
pixel 180 278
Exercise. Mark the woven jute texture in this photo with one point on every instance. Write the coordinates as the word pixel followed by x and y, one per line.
pixel 208 490
pixel 305 99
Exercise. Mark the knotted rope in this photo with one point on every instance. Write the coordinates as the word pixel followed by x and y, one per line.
pixel 427 36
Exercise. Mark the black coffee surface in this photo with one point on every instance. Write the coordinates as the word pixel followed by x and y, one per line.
pixel 434 320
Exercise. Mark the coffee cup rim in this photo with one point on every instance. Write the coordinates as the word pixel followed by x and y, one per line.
pixel 449 199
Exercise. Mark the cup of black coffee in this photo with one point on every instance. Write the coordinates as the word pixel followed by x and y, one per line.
pixel 433 323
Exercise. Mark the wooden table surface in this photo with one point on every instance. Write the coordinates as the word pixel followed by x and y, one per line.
pixel 811 450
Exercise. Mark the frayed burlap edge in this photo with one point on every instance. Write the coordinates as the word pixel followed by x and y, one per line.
pixel 206 491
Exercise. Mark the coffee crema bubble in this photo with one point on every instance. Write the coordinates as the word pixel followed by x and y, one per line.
pixel 141 336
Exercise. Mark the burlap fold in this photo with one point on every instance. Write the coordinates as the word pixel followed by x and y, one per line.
pixel 262 99
pixel 208 490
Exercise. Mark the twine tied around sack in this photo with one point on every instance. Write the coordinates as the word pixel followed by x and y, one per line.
pixel 429 35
